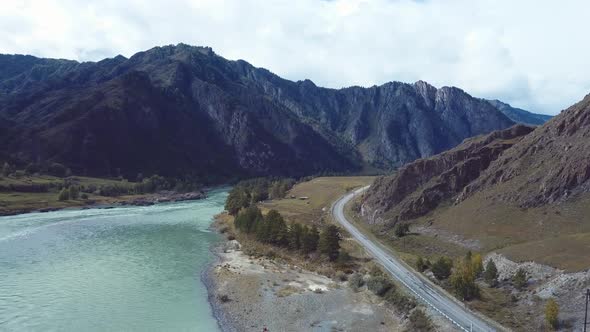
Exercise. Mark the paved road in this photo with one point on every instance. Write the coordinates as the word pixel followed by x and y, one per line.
pixel 462 317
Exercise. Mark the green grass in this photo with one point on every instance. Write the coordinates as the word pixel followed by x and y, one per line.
pixel 18 202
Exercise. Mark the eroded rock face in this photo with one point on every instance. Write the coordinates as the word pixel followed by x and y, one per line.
pixel 185 110
pixel 549 165
pixel 419 187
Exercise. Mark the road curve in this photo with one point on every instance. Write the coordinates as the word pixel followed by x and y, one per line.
pixel 460 316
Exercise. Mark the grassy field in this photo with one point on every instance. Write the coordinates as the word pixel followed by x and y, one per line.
pixel 321 192
pixel 17 202
pixel 553 235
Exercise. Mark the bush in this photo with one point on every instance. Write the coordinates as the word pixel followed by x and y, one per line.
pixel 402 230
pixel 74 192
pixel 224 298
pixel 356 281
pixel 64 195
pixel 552 313
pixel 421 264
pixel 379 285
pixel 341 276
pixel 419 321
pixel 442 268
pixel 401 302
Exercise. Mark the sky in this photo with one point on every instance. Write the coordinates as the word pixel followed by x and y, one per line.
pixel 533 54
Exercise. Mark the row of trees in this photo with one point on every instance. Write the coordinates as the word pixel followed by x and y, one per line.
pixel 273 229
pixel 55 169
pixel 249 192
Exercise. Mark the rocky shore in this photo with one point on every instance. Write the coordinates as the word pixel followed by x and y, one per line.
pixel 248 294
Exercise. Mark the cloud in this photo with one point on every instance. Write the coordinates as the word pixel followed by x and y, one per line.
pixel 532 54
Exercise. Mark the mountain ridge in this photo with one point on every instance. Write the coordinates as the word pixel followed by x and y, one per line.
pixel 186 109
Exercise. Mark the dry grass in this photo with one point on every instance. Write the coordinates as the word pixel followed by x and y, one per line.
pixel 321 193
pixel 554 234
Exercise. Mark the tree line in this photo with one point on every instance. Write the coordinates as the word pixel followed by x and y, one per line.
pixel 248 192
pixel 273 229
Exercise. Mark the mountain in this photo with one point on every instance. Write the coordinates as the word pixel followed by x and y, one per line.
pixel 178 110
pixel 419 187
pixel 519 115
pixel 517 167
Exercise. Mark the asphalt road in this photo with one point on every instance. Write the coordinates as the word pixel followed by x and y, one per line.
pixel 424 291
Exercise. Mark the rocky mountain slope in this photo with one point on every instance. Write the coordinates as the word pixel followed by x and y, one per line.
pixel 519 115
pixel 419 187
pixel 519 167
pixel 185 110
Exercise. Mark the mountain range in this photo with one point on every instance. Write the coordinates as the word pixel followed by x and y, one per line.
pixel 182 109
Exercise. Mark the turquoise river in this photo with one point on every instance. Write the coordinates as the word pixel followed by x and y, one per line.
pixel 117 269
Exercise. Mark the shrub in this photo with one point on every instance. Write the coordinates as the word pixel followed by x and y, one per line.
pixel 224 298
pixel 421 264
pixel 402 229
pixel 64 195
pixel 442 268
pixel 552 313
pixel 341 276
pixel 74 192
pixel 419 321
pixel 356 281
pixel 401 302
pixel 379 285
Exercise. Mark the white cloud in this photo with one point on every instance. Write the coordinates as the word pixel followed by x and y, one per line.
pixel 532 54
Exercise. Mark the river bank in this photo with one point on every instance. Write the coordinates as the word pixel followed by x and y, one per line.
pixel 42 204
pixel 248 294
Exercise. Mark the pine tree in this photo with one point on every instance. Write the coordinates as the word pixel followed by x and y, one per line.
pixel 279 232
pixel 310 240
pixel 520 279
pixel 295 236
pixel 329 243
pixel 491 273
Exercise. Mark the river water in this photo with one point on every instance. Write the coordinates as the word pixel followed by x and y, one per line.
pixel 119 269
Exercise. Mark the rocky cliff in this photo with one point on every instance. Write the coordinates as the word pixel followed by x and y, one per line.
pixel 182 109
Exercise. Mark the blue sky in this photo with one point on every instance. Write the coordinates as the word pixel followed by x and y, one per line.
pixel 531 54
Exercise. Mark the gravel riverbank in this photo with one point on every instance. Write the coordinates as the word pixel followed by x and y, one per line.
pixel 248 294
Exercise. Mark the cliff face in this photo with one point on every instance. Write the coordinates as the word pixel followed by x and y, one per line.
pixel 182 109
pixel 550 165
pixel 419 187
pixel 518 167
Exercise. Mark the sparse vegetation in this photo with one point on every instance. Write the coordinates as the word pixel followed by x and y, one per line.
pixel 419 321
pixel 356 281
pixel 379 285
